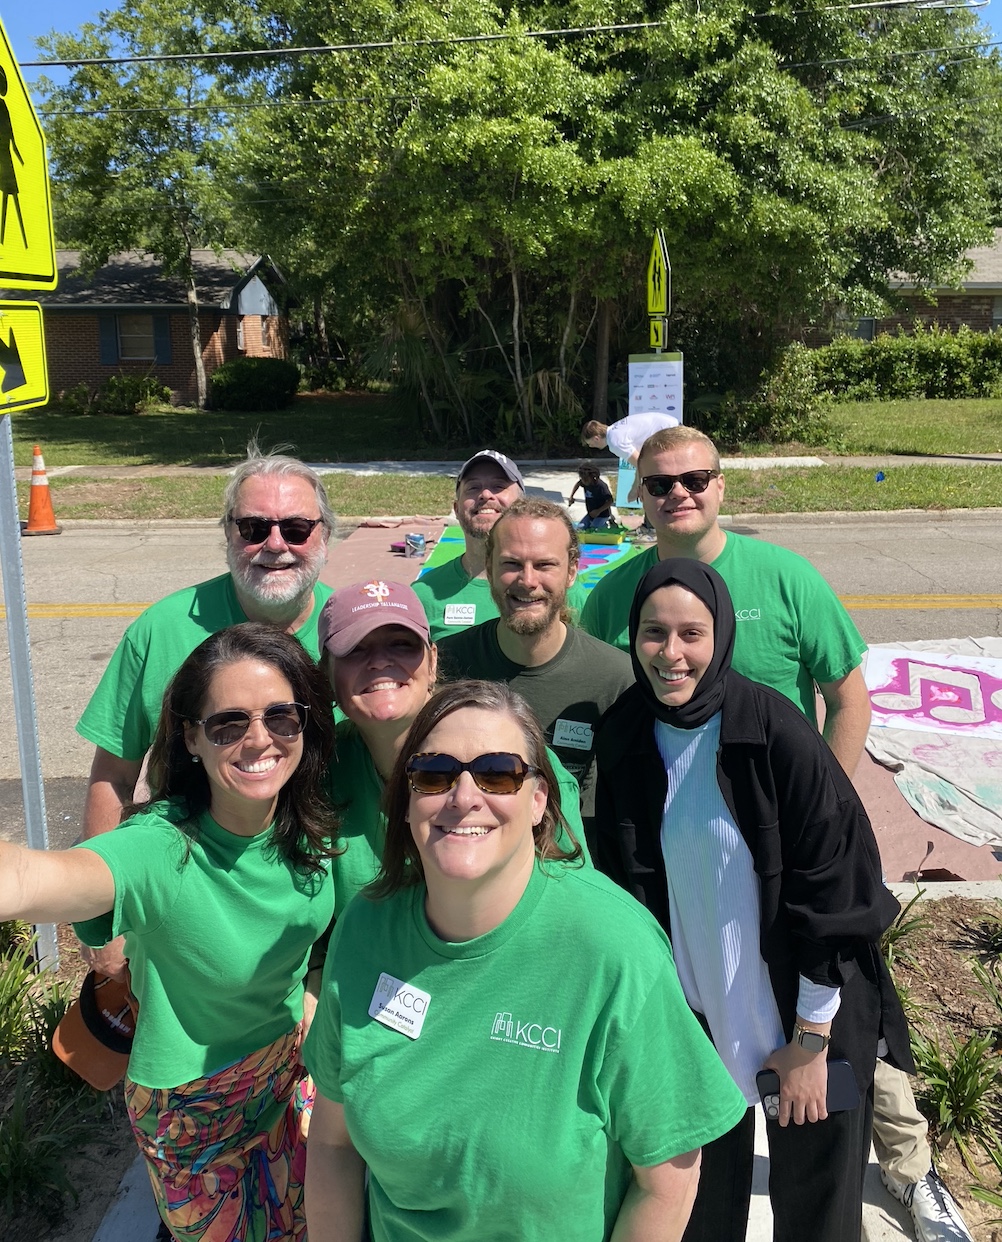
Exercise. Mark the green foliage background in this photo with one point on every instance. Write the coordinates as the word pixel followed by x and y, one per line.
pixel 473 218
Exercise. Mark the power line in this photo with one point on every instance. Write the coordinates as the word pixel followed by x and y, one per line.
pixel 234 106
pixel 328 48
pixel 451 40
pixel 220 107
pixel 921 51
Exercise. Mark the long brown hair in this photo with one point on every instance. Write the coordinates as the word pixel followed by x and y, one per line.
pixel 305 822
pixel 401 862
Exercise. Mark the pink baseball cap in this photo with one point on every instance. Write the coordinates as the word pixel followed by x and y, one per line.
pixel 356 610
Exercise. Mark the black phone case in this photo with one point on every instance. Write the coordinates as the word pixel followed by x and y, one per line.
pixel 843 1093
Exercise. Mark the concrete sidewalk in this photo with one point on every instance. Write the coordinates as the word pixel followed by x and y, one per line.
pixel 545 465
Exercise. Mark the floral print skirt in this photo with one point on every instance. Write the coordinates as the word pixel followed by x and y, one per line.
pixel 226 1154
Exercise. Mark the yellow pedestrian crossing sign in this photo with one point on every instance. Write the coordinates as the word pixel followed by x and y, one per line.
pixel 27 244
pixel 24 379
pixel 658 277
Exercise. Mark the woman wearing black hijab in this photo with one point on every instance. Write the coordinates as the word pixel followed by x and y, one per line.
pixel 722 810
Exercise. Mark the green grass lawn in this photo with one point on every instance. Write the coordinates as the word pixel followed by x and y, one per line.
pixel 201 496
pixel 849 489
pixel 928 427
pixel 854 489
pixel 317 427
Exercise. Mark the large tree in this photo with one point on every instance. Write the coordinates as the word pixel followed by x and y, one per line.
pixel 135 146
pixel 483 210
pixel 488 204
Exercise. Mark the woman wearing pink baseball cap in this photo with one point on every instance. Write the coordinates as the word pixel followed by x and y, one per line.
pixel 375 645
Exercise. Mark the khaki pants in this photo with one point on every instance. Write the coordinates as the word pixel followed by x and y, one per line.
pixel 899 1129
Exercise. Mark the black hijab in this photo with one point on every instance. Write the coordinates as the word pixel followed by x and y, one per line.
pixel 706 584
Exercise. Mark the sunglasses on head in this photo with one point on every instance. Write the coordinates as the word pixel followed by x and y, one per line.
pixel 283 720
pixel 495 773
pixel 292 530
pixel 694 482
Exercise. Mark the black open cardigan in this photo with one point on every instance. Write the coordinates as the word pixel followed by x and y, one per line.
pixel 824 905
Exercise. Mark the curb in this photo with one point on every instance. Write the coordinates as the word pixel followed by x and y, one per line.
pixel 133 1216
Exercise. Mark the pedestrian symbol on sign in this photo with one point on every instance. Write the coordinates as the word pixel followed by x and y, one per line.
pixel 8 174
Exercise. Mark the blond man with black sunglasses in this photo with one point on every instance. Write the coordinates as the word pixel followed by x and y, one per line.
pixel 794 636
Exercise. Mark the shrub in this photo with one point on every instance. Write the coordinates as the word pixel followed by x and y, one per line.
pixel 931 362
pixel 957 1084
pixel 784 406
pixel 254 384
pixel 129 394
pixel 45 1109
pixel 119 394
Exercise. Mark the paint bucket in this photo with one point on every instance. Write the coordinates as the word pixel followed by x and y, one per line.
pixel 414 546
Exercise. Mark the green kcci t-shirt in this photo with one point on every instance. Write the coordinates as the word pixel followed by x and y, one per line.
pixel 355 788
pixel 452 601
pixel 568 693
pixel 791 629
pixel 218 929
pixel 549 1055
pixel 122 714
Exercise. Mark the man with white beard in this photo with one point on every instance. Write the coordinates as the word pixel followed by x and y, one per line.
pixel 277 520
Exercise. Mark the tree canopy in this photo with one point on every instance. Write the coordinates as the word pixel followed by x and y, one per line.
pixel 480 213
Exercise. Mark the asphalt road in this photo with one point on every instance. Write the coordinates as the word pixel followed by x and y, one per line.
pixel 903 577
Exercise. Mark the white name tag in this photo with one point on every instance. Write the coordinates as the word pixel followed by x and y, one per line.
pixel 460 614
pixel 573 733
pixel 399 1005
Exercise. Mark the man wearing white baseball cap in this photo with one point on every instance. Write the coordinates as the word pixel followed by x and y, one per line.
pixel 457 594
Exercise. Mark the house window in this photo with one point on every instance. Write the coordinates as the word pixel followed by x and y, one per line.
pixel 136 337
pixel 864 329
pixel 996 313
pixel 240 334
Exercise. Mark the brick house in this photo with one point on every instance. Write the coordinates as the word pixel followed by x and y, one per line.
pixel 130 317
pixel 976 303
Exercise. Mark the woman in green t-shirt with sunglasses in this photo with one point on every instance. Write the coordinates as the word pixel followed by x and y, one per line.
pixel 501 1037
pixel 220 884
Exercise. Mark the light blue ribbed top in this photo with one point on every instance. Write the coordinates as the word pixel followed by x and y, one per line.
pixel 715 904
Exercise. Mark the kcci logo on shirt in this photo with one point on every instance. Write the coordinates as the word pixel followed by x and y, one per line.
pixel 508 1030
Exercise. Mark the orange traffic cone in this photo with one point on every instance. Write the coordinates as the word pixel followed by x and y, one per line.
pixel 41 519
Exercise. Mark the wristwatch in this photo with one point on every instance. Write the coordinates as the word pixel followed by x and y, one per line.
pixel 810 1041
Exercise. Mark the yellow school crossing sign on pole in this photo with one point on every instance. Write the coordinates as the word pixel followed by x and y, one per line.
pixel 658 291
pixel 24 377
pixel 658 277
pixel 27 244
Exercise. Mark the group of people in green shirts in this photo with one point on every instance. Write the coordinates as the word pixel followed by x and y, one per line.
pixel 501 1041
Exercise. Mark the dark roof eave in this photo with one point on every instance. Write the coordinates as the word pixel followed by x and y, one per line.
pixel 152 308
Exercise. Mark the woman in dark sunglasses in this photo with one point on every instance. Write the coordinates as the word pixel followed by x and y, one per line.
pixel 221 884
pixel 723 810
pixel 501 1038
pixel 376 648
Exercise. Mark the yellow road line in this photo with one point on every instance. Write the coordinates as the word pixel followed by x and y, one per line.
pixel 915 602
pixel 60 612
pixel 886 603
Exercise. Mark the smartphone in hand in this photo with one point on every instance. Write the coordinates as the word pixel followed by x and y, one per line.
pixel 843 1092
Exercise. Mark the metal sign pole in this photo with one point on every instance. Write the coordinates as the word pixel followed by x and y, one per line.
pixel 25 713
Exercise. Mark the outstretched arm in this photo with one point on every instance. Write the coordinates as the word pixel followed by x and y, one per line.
pixel 58 886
